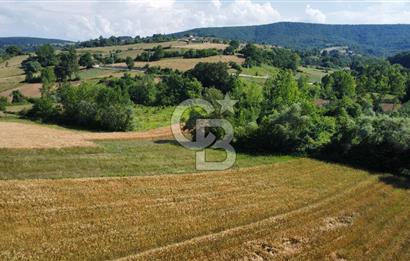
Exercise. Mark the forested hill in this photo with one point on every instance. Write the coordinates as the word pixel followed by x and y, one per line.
pixel 369 39
pixel 29 41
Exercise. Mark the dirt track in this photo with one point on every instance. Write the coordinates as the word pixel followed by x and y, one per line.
pixel 19 135
pixel 163 132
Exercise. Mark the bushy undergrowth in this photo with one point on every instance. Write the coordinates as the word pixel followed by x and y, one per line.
pixel 87 105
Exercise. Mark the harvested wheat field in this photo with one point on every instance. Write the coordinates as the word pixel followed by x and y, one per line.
pixel 27 89
pixel 199 46
pixel 186 64
pixel 158 133
pixel 302 209
pixel 15 135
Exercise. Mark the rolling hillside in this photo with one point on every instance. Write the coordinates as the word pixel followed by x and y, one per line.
pixel 380 40
pixel 27 42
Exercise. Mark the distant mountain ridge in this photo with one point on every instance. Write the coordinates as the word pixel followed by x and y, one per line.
pixel 380 40
pixel 29 41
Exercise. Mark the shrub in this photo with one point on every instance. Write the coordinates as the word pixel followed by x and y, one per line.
pixel 3 103
pixel 296 128
pixel 96 106
pixel 130 62
pixel 176 88
pixel 17 97
pixel 44 109
pixel 116 117
pixel 235 66
pixel 87 105
pixel 214 75
pixel 192 53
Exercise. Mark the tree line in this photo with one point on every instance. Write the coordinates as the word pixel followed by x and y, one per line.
pixel 125 40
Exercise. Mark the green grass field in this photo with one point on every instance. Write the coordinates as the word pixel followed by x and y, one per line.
pixel 11 75
pixel 95 73
pixel 111 158
pixel 131 50
pixel 147 118
pixel 263 70
pixel 313 74
pixel 18 108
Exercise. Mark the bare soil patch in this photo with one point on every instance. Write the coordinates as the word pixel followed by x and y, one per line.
pixel 262 250
pixel 27 89
pixel 332 223
pixel 163 132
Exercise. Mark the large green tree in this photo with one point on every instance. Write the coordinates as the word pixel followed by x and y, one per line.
pixel 31 68
pixel 176 88
pixel 214 75
pixel 339 84
pixel 281 90
pixel 129 62
pixel 48 78
pixel 13 50
pixel 46 55
pixel 382 78
pixel 68 65
pixel 86 60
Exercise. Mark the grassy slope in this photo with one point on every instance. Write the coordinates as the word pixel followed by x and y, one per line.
pixel 147 118
pixel 112 158
pixel 313 74
pixel 128 50
pixel 133 50
pixel 263 70
pixel 11 75
pixel 302 210
pixel 183 64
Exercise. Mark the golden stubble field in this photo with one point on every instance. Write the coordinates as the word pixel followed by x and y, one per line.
pixel 302 209
pixel 185 64
pixel 15 135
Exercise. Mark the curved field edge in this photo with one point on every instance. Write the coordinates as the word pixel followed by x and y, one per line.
pixel 303 209
pixel 15 135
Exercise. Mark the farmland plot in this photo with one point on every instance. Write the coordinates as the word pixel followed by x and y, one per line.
pixel 303 209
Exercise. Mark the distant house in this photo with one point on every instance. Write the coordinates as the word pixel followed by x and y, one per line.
pixel 193 39
pixel 321 102
pixel 389 107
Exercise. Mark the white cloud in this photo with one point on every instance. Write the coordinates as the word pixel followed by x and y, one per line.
pixel 380 13
pixel 217 3
pixel 315 15
pixel 244 12
pixel 161 4
pixel 83 20
pixel 78 20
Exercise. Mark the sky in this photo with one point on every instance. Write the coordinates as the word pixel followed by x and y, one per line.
pixel 86 19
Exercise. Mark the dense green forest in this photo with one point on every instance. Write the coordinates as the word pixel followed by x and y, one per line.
pixel 29 43
pixel 377 40
pixel 380 40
